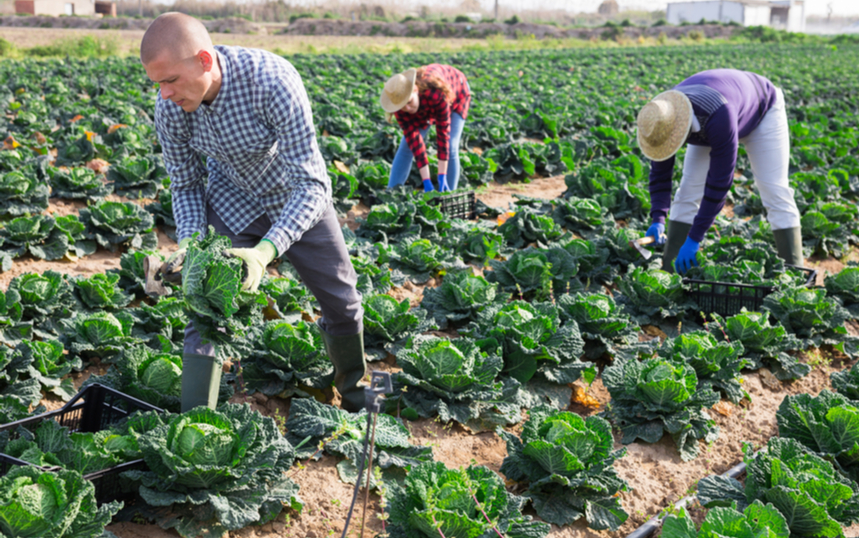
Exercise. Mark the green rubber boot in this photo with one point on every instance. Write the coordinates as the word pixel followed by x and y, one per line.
pixel 789 246
pixel 676 234
pixel 347 356
pixel 201 379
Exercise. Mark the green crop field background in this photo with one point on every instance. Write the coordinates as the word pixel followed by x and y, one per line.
pixel 533 342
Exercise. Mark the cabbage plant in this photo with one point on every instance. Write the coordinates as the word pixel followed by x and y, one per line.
pixel 78 183
pixel 460 297
pixel 100 335
pixel 115 224
pixel 828 425
pixel 437 501
pixel 162 325
pixel 45 299
pixel 290 298
pixel 212 292
pixel 51 505
pixel 653 295
pixel 341 433
pixel 287 359
pixel 764 344
pixel 814 498
pixel 845 286
pixel 718 364
pixel 100 291
pixel 420 259
pixel 36 236
pixel 528 226
pixel 603 326
pixel 216 471
pixel 582 216
pixel 454 379
pixel 567 462
pixel 657 395
pixel 812 316
pixel 47 363
pixel 758 520
pixel 845 382
pixel 534 272
pixel 137 176
pixel 22 194
pixel 532 341
pixel 389 323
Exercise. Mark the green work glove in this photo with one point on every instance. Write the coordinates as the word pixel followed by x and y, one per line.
pixel 256 259
pixel 178 256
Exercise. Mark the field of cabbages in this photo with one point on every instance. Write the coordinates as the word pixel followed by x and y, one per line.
pixel 548 379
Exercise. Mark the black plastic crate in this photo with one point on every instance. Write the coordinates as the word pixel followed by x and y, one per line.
pixel 728 298
pixel 93 409
pixel 459 205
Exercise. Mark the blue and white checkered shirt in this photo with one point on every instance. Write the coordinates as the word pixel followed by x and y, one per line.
pixel 262 154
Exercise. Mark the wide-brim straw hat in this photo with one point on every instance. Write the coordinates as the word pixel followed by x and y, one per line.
pixel 663 125
pixel 397 91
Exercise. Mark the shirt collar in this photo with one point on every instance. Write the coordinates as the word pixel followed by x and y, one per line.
pixel 220 102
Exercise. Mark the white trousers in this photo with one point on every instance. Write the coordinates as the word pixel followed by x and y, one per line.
pixel 768 150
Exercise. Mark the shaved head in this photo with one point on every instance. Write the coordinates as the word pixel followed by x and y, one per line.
pixel 179 35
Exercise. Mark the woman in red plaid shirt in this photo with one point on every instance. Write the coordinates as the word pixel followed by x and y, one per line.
pixel 433 94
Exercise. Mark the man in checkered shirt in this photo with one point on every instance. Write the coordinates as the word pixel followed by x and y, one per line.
pixel 238 140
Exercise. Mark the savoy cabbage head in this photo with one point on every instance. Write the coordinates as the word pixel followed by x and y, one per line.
pixel 287 359
pixel 567 461
pixel 756 521
pixel 460 298
pixel 215 471
pixel 532 341
pixel 604 327
pixel 388 323
pixel 652 295
pixel 827 425
pixel 657 395
pixel 51 504
pixel 718 364
pixel 454 379
pixel 814 498
pixel 764 344
pixel 436 501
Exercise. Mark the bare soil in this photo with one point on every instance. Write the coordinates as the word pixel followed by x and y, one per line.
pixel 655 473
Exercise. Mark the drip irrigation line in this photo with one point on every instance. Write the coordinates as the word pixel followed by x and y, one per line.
pixel 648 528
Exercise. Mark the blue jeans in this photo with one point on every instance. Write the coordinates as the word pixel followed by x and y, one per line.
pixel 402 163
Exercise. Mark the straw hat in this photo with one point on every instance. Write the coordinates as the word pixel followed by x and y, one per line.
pixel 663 125
pixel 397 91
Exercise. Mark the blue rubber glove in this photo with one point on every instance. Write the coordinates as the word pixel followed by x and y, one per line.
pixel 428 186
pixel 443 183
pixel 686 257
pixel 657 231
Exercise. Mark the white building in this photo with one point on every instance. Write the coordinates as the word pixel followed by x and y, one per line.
pixel 781 14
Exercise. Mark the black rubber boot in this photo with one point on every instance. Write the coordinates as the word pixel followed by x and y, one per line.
pixel 347 355
pixel 789 246
pixel 201 379
pixel 676 234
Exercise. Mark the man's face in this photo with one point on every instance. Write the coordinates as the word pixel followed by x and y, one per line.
pixel 185 82
pixel 411 106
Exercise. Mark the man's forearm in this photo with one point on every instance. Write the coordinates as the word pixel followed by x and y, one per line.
pixel 301 212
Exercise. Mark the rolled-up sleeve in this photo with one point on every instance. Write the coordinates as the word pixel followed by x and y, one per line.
pixel 289 112
pixel 185 168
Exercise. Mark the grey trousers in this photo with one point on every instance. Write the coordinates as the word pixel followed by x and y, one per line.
pixel 320 258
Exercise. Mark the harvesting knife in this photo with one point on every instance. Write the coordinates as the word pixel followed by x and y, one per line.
pixel 639 244
pixel 156 273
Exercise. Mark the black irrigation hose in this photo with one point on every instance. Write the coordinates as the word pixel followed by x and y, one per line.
pixel 647 529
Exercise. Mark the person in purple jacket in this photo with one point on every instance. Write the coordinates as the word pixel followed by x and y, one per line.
pixel 713 111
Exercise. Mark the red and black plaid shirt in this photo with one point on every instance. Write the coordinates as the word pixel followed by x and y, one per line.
pixel 434 109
